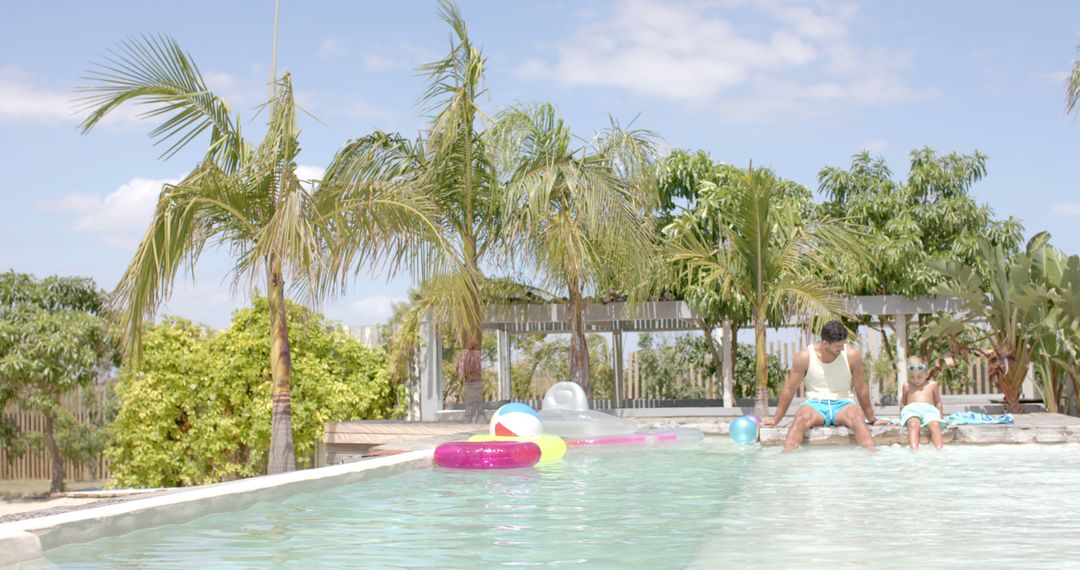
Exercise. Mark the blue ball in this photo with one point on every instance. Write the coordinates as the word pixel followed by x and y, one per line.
pixel 743 430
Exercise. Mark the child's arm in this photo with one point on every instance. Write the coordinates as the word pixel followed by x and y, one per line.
pixel 937 399
pixel 903 397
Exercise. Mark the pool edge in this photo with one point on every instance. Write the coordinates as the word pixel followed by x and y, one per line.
pixel 27 540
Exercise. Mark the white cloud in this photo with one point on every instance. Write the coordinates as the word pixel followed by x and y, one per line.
pixel 121 216
pixel 1055 77
pixel 118 217
pixel 306 174
pixel 1065 209
pixel 374 309
pixel 23 101
pixel 747 62
pixel 332 47
pixel 328 103
pixel 401 56
pixel 875 146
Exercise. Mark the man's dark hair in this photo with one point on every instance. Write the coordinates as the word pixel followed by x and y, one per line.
pixel 833 331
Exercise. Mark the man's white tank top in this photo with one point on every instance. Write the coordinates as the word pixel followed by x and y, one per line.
pixel 830 381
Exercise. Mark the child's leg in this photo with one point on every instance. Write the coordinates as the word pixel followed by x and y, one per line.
pixel 935 434
pixel 913 433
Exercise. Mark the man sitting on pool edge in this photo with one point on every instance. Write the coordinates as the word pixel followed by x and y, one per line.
pixel 832 373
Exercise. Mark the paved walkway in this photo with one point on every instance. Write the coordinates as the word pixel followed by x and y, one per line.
pixel 20 509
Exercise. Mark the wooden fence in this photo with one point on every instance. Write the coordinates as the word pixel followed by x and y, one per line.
pixel 636 388
pixel 35 464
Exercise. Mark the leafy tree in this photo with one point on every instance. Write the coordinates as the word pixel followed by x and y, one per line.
pixel 544 361
pixel 665 367
pixel 770 256
pixel 239 195
pixel 197 411
pixel 746 373
pixel 52 341
pixel 930 217
pixel 577 215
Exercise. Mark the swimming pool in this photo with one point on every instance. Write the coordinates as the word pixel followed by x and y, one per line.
pixel 710 505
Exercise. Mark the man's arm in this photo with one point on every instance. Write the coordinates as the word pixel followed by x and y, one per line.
pixel 858 383
pixel 799 365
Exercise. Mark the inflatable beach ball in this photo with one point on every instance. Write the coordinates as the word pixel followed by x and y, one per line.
pixel 743 430
pixel 516 420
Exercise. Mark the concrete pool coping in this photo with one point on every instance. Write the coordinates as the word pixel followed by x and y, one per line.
pixel 27 539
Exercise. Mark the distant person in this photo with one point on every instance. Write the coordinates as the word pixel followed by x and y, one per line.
pixel 920 404
pixel 833 376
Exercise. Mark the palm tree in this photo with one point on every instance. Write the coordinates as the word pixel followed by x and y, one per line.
pixel 245 197
pixel 1072 86
pixel 447 172
pixel 578 215
pixel 770 258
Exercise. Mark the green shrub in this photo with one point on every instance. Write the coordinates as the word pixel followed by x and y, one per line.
pixel 198 411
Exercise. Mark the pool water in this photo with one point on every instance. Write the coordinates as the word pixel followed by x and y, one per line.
pixel 713 504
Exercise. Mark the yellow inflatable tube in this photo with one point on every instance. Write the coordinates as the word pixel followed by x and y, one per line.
pixel 552 447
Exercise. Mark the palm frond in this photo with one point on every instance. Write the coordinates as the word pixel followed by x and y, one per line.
pixel 154 71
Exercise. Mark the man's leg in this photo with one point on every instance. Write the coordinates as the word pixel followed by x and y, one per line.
pixel 852 418
pixel 913 426
pixel 935 434
pixel 805 418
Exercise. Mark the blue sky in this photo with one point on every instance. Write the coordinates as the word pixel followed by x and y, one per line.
pixel 792 85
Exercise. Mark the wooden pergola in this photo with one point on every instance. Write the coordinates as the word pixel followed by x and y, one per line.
pixel 426 390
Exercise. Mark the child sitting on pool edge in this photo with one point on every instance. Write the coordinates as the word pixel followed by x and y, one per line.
pixel 920 405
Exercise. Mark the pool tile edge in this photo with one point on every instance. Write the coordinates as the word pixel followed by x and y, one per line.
pixel 26 540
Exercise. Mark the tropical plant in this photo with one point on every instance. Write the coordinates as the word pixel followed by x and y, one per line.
pixel 457 202
pixel 577 215
pixel 771 258
pixel 52 341
pixel 196 412
pixel 245 197
pixel 1012 305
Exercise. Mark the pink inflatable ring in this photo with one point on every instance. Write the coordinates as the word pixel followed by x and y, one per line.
pixel 487 454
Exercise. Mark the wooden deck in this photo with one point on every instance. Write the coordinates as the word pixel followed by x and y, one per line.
pixel 345 442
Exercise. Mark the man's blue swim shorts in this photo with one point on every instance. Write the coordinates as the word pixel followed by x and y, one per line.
pixel 828 408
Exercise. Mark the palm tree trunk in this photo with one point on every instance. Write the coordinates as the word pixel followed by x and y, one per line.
pixel 56 484
pixel 1009 377
pixel 470 368
pixel 885 338
pixel 761 367
pixel 1051 387
pixel 469 364
pixel 714 351
pixel 579 346
pixel 282 451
